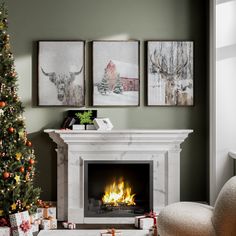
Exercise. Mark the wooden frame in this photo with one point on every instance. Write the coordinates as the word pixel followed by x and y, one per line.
pixel 61 73
pixel 170 73
pixel 116 73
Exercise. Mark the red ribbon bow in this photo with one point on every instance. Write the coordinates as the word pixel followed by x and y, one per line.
pixel 4 222
pixel 112 232
pixel 43 204
pixel 25 226
pixel 153 215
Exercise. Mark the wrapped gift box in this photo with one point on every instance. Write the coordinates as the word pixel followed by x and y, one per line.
pixel 47 212
pixel 34 217
pixel 111 232
pixel 20 224
pixel 146 221
pixel 34 227
pixel 47 224
pixel 137 221
pixel 153 231
pixel 5 231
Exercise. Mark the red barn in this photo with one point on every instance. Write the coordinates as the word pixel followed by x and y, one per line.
pixel 129 75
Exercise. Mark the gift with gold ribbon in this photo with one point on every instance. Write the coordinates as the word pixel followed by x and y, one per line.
pixel 46 209
pixel 111 232
pixel 48 223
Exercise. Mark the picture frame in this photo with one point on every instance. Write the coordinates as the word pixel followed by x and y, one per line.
pixel 61 73
pixel 170 73
pixel 116 73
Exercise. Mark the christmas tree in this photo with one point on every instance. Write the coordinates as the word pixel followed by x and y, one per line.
pixel 103 86
pixel 118 85
pixel 17 159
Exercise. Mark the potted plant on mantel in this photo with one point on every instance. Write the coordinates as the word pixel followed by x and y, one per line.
pixel 85 121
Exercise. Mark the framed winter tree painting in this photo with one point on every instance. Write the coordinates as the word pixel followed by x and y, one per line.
pixel 61 73
pixel 170 73
pixel 116 73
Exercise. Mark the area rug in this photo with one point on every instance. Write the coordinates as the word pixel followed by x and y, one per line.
pixel 89 232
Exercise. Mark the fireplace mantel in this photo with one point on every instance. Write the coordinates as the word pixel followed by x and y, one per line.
pixel 74 147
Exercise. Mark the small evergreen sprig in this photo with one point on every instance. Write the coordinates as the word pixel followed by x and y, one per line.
pixel 85 117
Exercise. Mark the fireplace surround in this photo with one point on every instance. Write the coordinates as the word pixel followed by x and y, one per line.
pixel 78 151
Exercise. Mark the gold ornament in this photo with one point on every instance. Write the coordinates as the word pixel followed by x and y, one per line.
pixel 1 26
pixel 1 212
pixel 7 46
pixel 27 177
pixel 13 206
pixel 21 134
pixel 18 156
pixel 17 178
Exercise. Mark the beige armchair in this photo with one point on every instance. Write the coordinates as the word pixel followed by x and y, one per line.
pixel 195 219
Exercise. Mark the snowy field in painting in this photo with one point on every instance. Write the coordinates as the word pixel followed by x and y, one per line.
pixel 129 98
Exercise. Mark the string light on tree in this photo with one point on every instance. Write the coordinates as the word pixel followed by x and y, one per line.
pixel 17 159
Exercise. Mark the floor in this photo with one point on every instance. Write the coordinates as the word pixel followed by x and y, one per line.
pixel 92 232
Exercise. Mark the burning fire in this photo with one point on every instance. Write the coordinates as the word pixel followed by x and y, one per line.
pixel 118 193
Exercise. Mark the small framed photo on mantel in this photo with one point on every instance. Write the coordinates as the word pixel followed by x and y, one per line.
pixel 116 80
pixel 61 73
pixel 170 73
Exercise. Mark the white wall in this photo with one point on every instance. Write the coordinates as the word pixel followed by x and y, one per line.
pixel 224 96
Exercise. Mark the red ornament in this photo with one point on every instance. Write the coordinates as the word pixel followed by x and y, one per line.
pixel 22 169
pixel 31 161
pixel 28 143
pixel 11 129
pixel 2 104
pixel 6 175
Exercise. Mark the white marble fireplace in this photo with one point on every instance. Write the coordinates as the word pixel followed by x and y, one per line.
pixel 161 147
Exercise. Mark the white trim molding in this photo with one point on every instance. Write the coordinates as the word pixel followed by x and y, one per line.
pixel 212 87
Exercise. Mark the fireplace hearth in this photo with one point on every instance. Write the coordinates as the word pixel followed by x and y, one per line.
pixel 117 188
pixel 89 162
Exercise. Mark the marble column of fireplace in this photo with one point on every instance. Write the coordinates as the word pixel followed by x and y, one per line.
pixel 74 147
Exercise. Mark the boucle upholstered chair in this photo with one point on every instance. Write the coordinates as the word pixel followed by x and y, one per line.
pixel 195 219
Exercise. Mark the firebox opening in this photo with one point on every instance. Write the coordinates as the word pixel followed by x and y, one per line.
pixel 117 188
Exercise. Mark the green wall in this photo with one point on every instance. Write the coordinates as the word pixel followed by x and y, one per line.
pixel 32 20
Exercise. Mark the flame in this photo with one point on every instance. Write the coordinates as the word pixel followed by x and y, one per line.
pixel 118 193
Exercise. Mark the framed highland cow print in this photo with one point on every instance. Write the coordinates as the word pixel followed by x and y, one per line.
pixel 116 73
pixel 170 73
pixel 61 73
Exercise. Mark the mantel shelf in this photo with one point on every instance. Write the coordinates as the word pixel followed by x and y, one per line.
pixel 140 136
pixel 123 131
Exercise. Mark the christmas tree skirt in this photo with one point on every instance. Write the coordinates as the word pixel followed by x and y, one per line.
pixel 90 232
